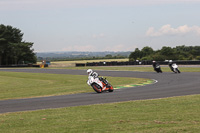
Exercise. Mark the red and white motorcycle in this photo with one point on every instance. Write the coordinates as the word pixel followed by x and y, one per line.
pixel 99 84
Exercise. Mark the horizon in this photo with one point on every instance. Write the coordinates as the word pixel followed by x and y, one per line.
pixel 110 51
pixel 82 51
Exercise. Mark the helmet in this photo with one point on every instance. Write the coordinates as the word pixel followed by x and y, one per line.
pixel 170 61
pixel 89 71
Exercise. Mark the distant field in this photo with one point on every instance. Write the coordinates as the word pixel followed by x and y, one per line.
pixel 72 63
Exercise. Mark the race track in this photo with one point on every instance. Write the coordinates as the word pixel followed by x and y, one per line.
pixel 169 84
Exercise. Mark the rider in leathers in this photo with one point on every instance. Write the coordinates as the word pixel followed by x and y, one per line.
pixel 170 65
pixel 93 74
pixel 157 67
pixel 155 64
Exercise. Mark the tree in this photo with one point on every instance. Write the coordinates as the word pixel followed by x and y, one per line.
pixel 109 56
pixel 12 48
pixel 147 51
pixel 158 57
pixel 137 54
pixel 167 53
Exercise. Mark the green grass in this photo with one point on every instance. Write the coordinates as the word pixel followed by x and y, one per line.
pixel 168 115
pixel 24 85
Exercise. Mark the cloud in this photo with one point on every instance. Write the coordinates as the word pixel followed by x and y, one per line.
pixel 168 30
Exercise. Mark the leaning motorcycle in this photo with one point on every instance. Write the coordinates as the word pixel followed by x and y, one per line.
pixel 100 84
pixel 158 69
pixel 175 68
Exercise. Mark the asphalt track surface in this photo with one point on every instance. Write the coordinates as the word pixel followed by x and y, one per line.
pixel 168 85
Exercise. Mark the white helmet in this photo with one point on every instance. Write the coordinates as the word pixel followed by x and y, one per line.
pixel 89 71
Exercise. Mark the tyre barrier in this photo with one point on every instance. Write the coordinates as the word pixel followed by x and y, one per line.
pixel 115 63
pixel 23 65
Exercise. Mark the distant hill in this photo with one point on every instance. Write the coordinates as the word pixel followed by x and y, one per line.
pixel 75 54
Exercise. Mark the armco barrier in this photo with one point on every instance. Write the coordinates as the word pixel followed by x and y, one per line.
pixel 115 63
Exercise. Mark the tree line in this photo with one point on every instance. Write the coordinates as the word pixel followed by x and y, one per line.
pixel 13 50
pixel 166 53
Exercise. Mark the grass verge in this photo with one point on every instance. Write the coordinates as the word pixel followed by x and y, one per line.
pixel 25 85
pixel 168 115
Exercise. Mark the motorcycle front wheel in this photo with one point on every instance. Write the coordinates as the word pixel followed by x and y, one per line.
pixel 178 70
pixel 97 88
pixel 110 87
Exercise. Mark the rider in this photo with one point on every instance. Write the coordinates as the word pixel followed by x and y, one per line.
pixel 156 67
pixel 170 65
pixel 93 74
pixel 155 64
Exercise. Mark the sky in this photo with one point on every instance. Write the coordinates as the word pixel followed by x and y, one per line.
pixel 103 25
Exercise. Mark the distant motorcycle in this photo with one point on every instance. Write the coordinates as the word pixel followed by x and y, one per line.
pixel 100 84
pixel 175 68
pixel 157 67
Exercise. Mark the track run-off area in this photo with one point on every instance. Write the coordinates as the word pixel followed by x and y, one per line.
pixel 167 84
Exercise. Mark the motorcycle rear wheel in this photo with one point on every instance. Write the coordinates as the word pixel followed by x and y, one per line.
pixel 97 88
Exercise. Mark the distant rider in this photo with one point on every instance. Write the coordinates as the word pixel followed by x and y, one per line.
pixel 170 65
pixel 174 67
pixel 156 67
pixel 155 64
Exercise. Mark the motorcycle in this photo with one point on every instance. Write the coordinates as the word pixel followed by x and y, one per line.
pixel 158 69
pixel 175 68
pixel 100 84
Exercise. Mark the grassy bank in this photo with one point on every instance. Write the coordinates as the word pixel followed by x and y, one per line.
pixel 169 115
pixel 24 85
